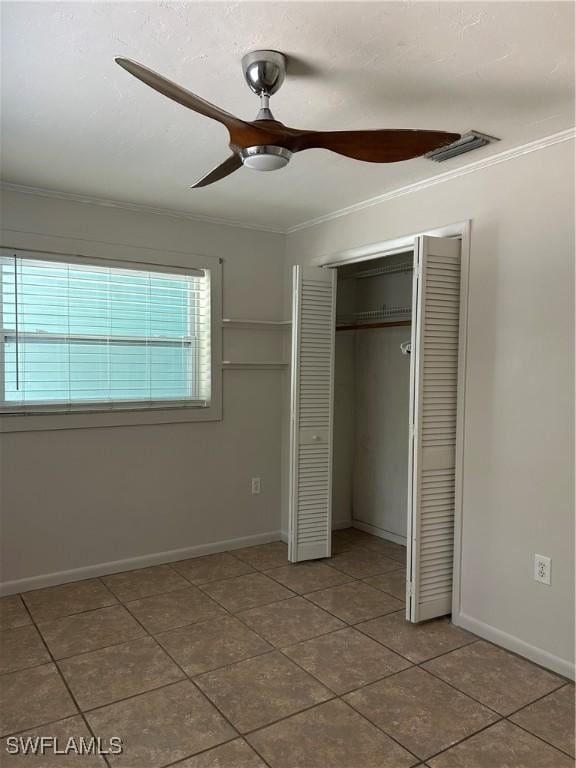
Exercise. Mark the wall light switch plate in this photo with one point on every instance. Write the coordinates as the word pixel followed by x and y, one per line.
pixel 255 485
pixel 542 569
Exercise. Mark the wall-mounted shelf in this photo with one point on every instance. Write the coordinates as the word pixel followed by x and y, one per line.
pixel 239 365
pixel 257 325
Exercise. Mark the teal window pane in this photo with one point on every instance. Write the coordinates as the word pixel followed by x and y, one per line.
pixel 99 334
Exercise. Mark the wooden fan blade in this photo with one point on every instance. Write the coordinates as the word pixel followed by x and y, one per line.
pixel 177 93
pixel 385 146
pixel 224 169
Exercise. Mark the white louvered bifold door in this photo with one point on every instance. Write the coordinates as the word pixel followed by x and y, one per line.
pixel 434 379
pixel 313 330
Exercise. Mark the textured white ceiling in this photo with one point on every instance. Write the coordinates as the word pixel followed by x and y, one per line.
pixel 74 121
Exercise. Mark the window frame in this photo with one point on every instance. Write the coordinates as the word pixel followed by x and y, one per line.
pixel 135 412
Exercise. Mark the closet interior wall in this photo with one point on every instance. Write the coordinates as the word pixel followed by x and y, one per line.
pixel 371 396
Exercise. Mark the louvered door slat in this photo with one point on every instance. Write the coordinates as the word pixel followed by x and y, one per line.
pixel 313 321
pixel 435 336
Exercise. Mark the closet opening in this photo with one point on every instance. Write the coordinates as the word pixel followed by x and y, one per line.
pixel 372 395
pixel 376 427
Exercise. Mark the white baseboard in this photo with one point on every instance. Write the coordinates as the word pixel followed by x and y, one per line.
pixel 115 566
pixel 515 644
pixel 336 526
pixel 380 532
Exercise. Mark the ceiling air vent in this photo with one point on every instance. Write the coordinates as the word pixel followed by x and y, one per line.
pixel 468 142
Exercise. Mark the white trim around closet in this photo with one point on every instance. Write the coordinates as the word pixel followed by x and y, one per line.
pixel 400 245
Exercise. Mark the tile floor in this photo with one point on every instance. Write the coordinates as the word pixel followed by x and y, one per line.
pixel 240 660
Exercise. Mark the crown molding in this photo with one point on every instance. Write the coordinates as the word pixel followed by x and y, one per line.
pixel 464 170
pixel 417 186
pixel 136 207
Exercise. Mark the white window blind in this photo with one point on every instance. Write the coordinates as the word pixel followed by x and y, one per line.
pixel 85 335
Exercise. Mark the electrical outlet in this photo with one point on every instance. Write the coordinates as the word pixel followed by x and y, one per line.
pixel 255 485
pixel 542 568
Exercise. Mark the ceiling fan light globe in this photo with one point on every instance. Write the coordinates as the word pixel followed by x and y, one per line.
pixel 265 158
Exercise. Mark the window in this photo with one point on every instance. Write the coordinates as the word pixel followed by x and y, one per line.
pixel 80 335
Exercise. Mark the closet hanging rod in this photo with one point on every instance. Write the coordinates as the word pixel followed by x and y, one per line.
pixel 366 326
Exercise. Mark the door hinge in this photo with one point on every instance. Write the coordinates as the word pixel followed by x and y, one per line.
pixel 412 431
pixel 410 588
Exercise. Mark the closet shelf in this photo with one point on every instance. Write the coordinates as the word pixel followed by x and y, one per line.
pixel 377 271
pixel 374 314
pixel 375 318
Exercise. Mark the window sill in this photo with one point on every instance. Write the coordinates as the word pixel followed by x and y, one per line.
pixel 38 422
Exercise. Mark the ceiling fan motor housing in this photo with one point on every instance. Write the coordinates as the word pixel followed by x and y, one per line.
pixel 264 71
pixel 265 157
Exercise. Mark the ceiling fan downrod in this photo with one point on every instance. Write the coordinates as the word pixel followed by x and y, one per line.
pixel 264 72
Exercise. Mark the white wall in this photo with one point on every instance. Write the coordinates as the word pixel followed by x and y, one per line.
pixel 371 405
pixel 518 451
pixel 344 429
pixel 75 499
pixel 382 420
pixel 382 404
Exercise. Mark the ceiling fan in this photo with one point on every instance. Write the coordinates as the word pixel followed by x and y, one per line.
pixel 265 144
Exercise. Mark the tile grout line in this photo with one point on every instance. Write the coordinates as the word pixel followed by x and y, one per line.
pixel 544 695
pixel 279 649
pixel 305 596
pixel 165 685
pixel 90 650
pixel 527 660
pixel 273 649
pixel 335 697
pixel 124 603
pixel 447 682
pixel 445 653
pixel 414 664
pixel 65 683
pixel 180 588
pixel 505 719
pixel 312 591
pixel 200 691
pixel 210 701
pixel 535 735
pixel 81 712
pixel 499 716
pixel 348 623
pixel 204 695
pixel 465 738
